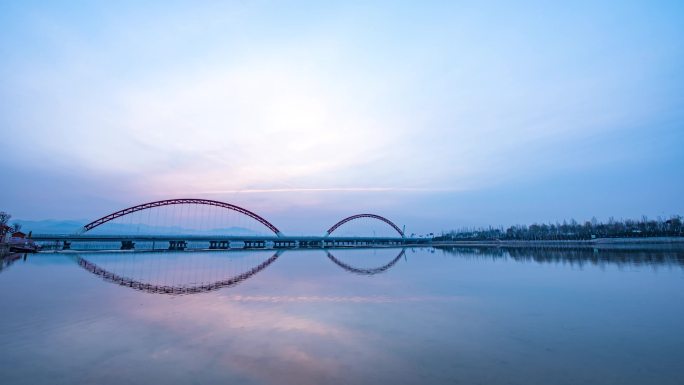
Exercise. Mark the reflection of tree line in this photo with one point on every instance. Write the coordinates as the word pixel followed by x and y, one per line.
pixel 8 259
pixel 579 255
pixel 573 230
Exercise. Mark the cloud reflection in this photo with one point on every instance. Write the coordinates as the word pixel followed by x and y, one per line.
pixel 284 339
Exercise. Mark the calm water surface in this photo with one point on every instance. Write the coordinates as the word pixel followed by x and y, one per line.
pixel 424 316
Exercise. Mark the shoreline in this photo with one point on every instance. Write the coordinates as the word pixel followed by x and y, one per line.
pixel 596 243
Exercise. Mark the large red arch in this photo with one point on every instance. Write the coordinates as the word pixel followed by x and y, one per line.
pixel 357 216
pixel 182 201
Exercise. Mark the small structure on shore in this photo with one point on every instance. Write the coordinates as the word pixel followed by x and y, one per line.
pixel 12 239
pixel 21 243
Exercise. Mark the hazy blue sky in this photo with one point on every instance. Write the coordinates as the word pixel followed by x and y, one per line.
pixel 436 114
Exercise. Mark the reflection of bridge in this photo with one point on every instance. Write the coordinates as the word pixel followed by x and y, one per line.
pixel 171 289
pixel 181 242
pixel 366 271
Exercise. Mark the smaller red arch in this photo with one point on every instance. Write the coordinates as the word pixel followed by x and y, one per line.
pixel 357 216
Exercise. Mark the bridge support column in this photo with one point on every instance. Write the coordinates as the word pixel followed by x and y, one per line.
pixel 255 244
pixel 283 244
pixel 219 245
pixel 127 245
pixel 177 245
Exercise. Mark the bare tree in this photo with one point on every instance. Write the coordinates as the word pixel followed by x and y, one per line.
pixel 4 218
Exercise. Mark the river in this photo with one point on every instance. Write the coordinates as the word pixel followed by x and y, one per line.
pixel 398 316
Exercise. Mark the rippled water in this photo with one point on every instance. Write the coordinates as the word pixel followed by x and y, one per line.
pixel 414 316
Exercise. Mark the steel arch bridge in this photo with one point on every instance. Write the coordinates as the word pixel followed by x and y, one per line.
pixel 86 239
pixel 229 206
pixel 181 201
pixel 358 216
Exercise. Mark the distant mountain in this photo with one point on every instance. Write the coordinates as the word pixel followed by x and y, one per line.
pixel 51 226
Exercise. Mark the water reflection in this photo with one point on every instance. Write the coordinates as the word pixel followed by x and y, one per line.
pixel 194 272
pixel 174 288
pixel 448 315
pixel 652 255
pixel 366 271
pixel 8 260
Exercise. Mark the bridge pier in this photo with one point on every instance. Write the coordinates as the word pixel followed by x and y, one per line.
pixel 255 244
pixel 219 245
pixel 309 244
pixel 127 245
pixel 283 244
pixel 177 245
pixel 66 245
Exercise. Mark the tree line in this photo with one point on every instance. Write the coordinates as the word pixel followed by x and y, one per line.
pixel 573 230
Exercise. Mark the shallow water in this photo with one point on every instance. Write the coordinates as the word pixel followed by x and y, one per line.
pixel 414 316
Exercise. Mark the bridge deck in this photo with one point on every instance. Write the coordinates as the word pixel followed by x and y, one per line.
pixel 183 242
pixel 271 238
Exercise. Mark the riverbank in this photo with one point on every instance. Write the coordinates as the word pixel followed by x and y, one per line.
pixel 598 242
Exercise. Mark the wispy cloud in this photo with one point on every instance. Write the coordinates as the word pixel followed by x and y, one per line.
pixel 338 299
pixel 159 100
pixel 327 189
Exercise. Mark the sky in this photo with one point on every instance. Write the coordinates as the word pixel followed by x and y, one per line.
pixel 436 115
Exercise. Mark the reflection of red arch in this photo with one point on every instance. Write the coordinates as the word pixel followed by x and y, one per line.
pixel 173 290
pixel 362 271
pixel 357 216
pixel 169 202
